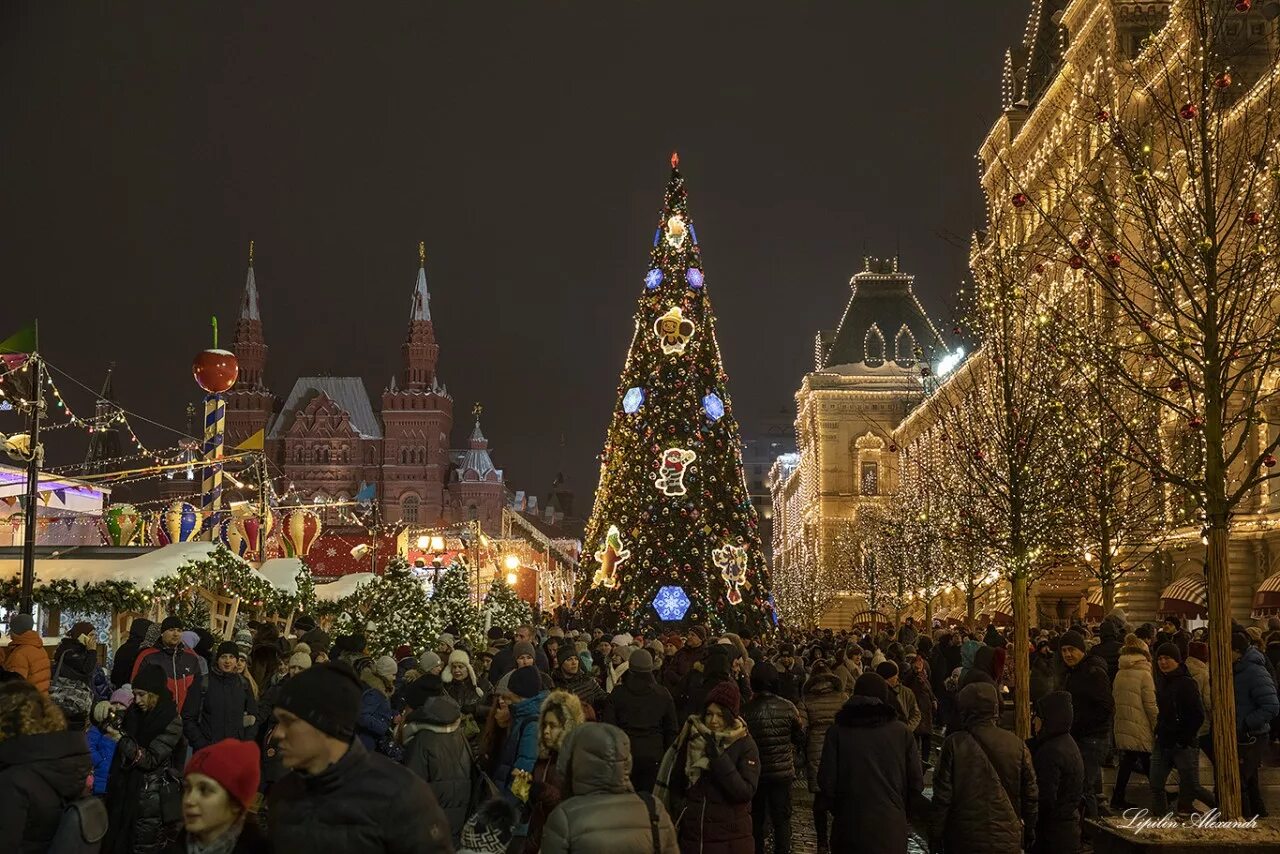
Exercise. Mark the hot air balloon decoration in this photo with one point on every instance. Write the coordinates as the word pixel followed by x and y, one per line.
pixel 121 523
pixel 255 531
pixel 231 534
pixel 301 530
pixel 180 522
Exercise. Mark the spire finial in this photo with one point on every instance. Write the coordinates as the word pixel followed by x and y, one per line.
pixel 675 160
pixel 476 410
pixel 250 253
pixel 422 253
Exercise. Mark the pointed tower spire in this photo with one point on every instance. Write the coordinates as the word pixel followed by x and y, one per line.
pixel 105 443
pixel 250 346
pixel 420 351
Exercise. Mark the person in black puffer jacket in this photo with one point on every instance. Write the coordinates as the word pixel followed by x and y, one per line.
pixel 1108 648
pixel 1059 776
pixel 985 799
pixel 436 750
pixel 227 707
pixel 43 767
pixel 644 710
pixel 122 664
pixel 778 730
pixel 1087 682
pixel 1180 714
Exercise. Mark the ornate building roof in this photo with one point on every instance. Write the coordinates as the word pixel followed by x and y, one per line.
pixel 348 393
pixel 883 324
pixel 474 464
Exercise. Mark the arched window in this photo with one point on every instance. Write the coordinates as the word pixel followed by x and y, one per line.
pixel 404 456
pixel 409 508
pixel 297 454
pixel 904 346
pixel 873 346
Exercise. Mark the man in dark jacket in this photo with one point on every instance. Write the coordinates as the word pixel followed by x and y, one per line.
pixel 1059 776
pixel 778 730
pixel 1108 648
pixel 1178 719
pixel 227 708
pixel 943 662
pixel 338 796
pixel 127 654
pixel 644 710
pixel 1086 680
pixel 505 661
pixel 869 774
pixel 1256 706
pixel 436 750
pixel 676 671
pixel 791 673
pixel 181 669
pixel 984 789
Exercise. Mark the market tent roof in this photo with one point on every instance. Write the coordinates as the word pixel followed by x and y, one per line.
pixel 1186 597
pixel 142 571
pixel 1093 604
pixel 868 618
pixel 282 572
pixel 1266 601
pixel 1000 608
pixel 343 587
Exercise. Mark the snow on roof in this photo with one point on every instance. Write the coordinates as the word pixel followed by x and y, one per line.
pixel 143 571
pixel 343 587
pixel 348 392
pixel 282 572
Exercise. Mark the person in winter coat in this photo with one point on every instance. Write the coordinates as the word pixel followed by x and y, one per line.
pixel 1059 776
pixel 1177 722
pixel 102 748
pixel 461 684
pixel 43 767
pixel 1197 662
pixel 600 813
pixel 900 695
pixel 227 707
pixel 712 670
pixel 127 652
pixel 982 758
pixel 714 771
pixel 376 715
pixel 181 668
pixel 1109 647
pixel 849 667
pixel 490 829
pixel 870 773
pixel 676 672
pixel 791 675
pixel 1256 706
pixel 25 655
pixel 76 660
pixel 1134 693
pixel 219 786
pixel 436 750
pixel 1044 671
pixel 570 676
pixel 513 771
pixel 644 710
pixel 142 792
pixel 777 727
pixel 1089 685
pixel 915 678
pixel 823 696
pixel 561 714
pixel 945 659
pixel 338 796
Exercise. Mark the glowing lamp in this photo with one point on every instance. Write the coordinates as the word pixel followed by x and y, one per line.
pixel 511 579
pixel 423 542
pixel 437 544
pixel 512 563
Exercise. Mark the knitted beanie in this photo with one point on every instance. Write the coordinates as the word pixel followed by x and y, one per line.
pixel 1198 650
pixel 233 764
pixel 190 639
pixel 725 695
pixel 871 685
pixel 428 661
pixel 525 682
pixel 326 696
pixel 640 661
pixel 171 623
pixel 300 659
pixel 385 666
pixel 21 623
pixel 1168 650
pixel 700 631
pixel 228 648
pixel 1073 639
pixel 522 648
pixel 887 670
pixel 151 679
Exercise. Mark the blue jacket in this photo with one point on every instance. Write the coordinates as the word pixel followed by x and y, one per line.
pixel 375 718
pixel 520 751
pixel 101 751
pixel 1256 701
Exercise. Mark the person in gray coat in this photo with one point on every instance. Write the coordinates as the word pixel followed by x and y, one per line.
pixel 601 812
pixel 436 750
pixel 985 798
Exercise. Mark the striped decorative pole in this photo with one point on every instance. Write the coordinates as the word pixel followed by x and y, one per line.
pixel 215 371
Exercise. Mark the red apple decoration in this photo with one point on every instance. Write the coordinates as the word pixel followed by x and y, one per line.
pixel 215 370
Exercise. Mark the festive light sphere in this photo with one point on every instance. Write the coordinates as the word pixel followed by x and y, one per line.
pixel 653 278
pixel 671 603
pixel 1102 116
pixel 178 523
pixel 1253 217
pixel 1175 384
pixel 120 523
pixel 301 530
pixel 1244 5
pixel 1076 262
pixel 1223 80
pixel 694 277
pixel 215 370
pixel 1269 461
pixel 1195 422
pixel 1019 200
pixel 1113 259
pixel 1188 111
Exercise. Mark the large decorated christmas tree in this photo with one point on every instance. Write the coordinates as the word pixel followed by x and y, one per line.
pixel 673 536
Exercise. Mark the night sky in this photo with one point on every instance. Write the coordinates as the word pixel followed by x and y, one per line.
pixel 526 143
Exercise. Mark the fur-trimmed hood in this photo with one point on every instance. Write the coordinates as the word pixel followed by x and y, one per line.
pixel 822 683
pixel 569 709
pixel 459 656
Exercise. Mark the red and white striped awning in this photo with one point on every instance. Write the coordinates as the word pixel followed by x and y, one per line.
pixel 1186 597
pixel 1266 602
pixel 871 619
pixel 1092 605
pixel 1000 610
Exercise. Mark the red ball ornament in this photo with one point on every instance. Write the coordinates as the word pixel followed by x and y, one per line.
pixel 1244 5
pixel 1144 325
pixel 1269 461
pixel 1102 116
pixel 1253 217
pixel 1188 111
pixel 1195 422
pixel 1223 80
pixel 1019 200
pixel 215 370
pixel 893 448
pixel 1039 268
pixel 979 455
pixel 1175 384
pixel 1076 262
pixel 1113 259
pixel 1084 243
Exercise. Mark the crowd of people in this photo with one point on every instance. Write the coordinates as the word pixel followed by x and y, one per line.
pixel 556 740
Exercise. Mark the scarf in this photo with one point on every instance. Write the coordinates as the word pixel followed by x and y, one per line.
pixel 224 844
pixel 696 760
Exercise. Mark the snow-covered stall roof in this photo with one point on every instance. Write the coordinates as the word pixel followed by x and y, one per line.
pixel 343 587
pixel 142 571
pixel 282 572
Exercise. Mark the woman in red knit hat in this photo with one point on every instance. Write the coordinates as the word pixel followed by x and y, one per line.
pixel 219 788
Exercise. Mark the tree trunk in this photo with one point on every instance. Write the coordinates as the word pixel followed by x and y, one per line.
pixel 928 617
pixel 1021 659
pixel 1108 597
pixel 970 603
pixel 1226 768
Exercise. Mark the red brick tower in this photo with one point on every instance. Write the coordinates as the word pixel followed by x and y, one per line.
pixel 417 415
pixel 249 404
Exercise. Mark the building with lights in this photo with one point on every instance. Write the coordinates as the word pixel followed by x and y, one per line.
pixel 333 446
pixel 869 372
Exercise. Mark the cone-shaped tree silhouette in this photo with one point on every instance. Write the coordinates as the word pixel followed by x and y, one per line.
pixel 672 508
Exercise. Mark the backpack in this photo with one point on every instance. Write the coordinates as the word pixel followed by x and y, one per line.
pixel 81 828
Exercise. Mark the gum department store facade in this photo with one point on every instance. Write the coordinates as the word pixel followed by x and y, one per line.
pixel 858 413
